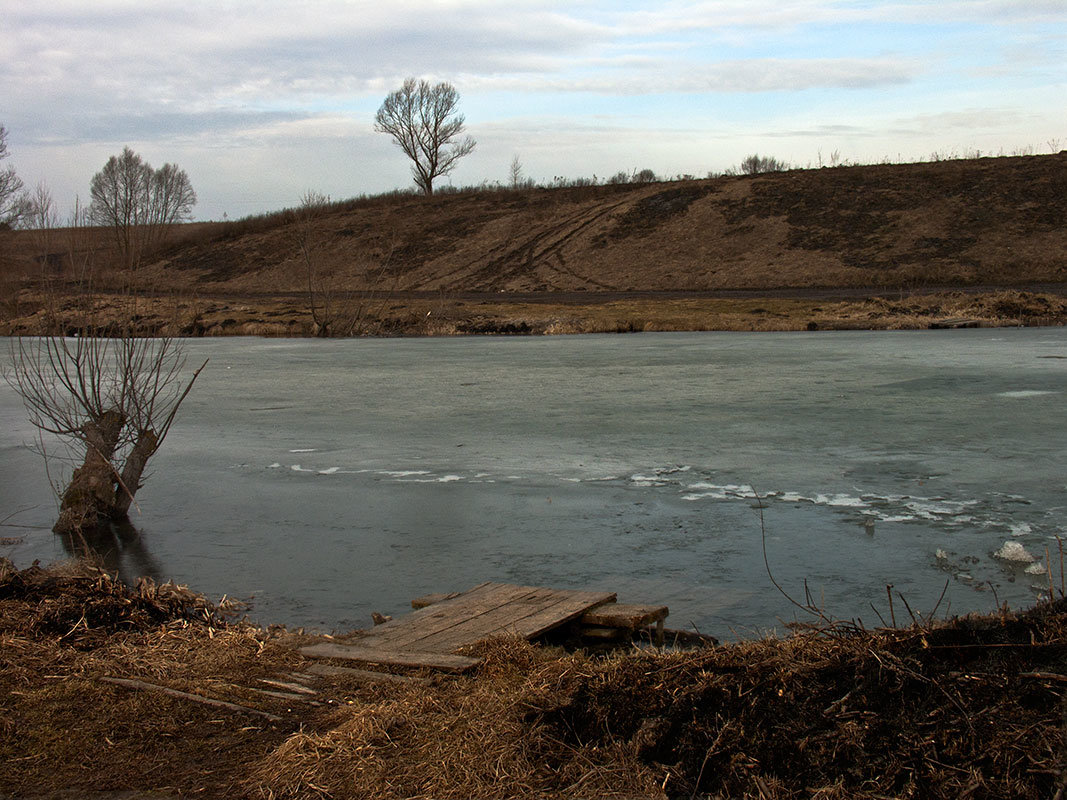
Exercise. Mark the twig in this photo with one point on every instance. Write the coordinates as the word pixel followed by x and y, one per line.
pixel 889 594
pixel 767 564
pixel 937 605
pixel 1044 676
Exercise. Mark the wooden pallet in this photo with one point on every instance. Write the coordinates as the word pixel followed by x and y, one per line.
pixel 430 636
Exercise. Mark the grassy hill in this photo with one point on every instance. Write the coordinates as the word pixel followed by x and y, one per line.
pixel 798 237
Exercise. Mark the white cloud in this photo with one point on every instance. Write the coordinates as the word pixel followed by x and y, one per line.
pixel 228 87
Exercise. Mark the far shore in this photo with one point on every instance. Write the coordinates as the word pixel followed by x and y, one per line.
pixel 31 311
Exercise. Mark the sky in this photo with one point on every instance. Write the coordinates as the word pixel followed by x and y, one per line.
pixel 262 100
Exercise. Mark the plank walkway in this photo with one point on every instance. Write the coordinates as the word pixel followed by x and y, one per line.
pixel 431 635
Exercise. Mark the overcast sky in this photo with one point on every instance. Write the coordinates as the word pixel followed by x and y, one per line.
pixel 259 100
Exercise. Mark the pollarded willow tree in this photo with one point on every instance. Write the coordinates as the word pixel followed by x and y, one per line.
pixel 138 203
pixel 111 402
pixel 424 122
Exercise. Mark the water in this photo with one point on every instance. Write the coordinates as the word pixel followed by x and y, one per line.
pixel 324 480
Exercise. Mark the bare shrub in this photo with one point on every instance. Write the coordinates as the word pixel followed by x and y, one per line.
pixel 756 164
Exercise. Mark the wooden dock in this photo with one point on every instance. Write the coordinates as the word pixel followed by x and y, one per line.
pixel 442 624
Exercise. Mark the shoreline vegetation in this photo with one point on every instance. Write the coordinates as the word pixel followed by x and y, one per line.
pixel 109 689
pixel 41 312
pixel 955 243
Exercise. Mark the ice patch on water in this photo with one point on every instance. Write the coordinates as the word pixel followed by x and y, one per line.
pixel 449 478
pixel 402 473
pixel 1037 568
pixel 1020 528
pixel 1013 551
pixel 305 450
pixel 1025 393
pixel 646 480
pixel 275 465
pixel 298 468
pixel 839 501
pixel 329 470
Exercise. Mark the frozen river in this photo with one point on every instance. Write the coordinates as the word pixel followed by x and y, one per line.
pixel 328 479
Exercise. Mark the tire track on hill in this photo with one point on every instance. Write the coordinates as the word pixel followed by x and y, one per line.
pixel 507 261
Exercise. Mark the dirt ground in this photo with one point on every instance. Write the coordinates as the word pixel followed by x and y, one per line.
pixel 972 707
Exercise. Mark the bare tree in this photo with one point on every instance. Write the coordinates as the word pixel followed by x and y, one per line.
pixel 335 309
pixel 42 220
pixel 515 176
pixel 12 199
pixel 138 203
pixel 424 123
pixel 111 401
pixel 313 206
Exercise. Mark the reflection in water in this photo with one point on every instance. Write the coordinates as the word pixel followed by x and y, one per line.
pixel 118 547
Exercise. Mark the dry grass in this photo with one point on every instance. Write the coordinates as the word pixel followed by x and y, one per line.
pixel 444 316
pixel 972 707
pixel 934 712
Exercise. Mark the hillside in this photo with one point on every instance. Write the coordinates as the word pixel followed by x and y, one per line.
pixel 995 223
pixel 989 221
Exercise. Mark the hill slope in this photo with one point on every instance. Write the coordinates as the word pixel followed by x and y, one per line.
pixel 999 221
pixel 888 246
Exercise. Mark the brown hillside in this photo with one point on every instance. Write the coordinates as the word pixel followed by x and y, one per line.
pixel 996 221
pixel 945 244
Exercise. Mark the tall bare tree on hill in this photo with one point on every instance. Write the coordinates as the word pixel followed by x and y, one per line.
pixel 424 122
pixel 138 203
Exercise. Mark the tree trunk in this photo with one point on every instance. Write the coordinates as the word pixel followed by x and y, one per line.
pixel 146 445
pixel 91 493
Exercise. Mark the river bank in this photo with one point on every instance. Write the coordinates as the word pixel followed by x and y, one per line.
pixel 962 707
pixel 34 311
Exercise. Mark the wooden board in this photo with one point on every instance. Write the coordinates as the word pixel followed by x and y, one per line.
pixel 363 675
pixel 429 599
pixel 430 636
pixel 489 609
pixel 624 615
pixel 405 658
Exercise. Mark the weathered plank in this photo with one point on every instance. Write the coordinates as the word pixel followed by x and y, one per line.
pixel 461 623
pixel 406 658
pixel 364 675
pixel 208 701
pixel 474 610
pixel 426 599
pixel 488 610
pixel 527 620
pixel 624 615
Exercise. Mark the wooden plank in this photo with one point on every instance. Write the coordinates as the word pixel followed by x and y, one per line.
pixel 288 686
pixel 196 698
pixel 425 617
pixel 363 675
pixel 473 612
pixel 624 615
pixel 406 658
pixel 430 599
pixel 525 620
pixel 490 609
